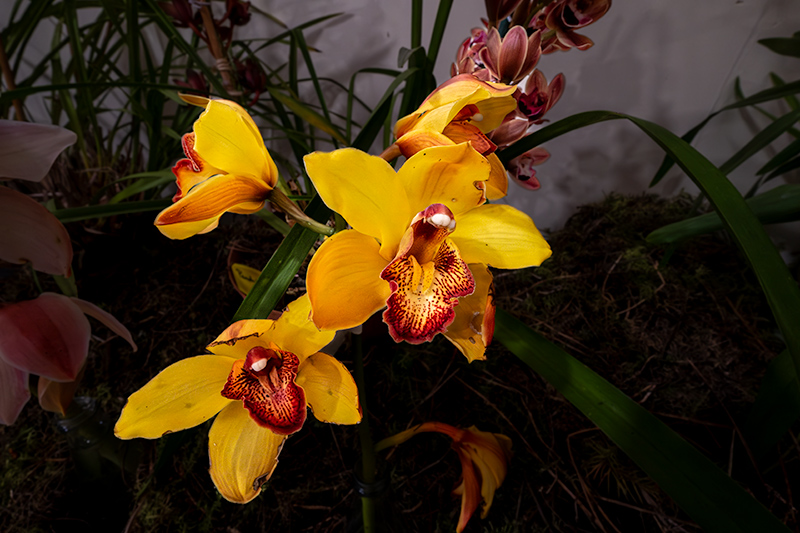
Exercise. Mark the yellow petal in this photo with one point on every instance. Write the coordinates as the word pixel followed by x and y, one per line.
pixel 206 202
pixel 500 236
pixel 183 395
pixel 365 190
pixel 330 390
pixel 416 140
pixel 494 110
pixel 243 454
pixel 445 175
pixel 471 330
pixel 497 184
pixel 240 337
pixel 343 281
pixel 227 138
pixel 295 332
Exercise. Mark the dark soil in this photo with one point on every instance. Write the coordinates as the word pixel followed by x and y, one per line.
pixel 686 333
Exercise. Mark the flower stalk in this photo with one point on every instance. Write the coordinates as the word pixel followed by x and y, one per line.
pixel 282 202
pixel 365 436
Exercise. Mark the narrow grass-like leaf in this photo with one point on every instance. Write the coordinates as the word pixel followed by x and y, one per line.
pixel 374 123
pixel 439 25
pixel 762 139
pixel 351 94
pixel 777 283
pixel 276 222
pixel 781 204
pixel 282 267
pixel 698 486
pixel 147 181
pixel 307 114
pixel 785 46
pixel 776 408
pixel 790 151
pixel 76 214
pixel 766 95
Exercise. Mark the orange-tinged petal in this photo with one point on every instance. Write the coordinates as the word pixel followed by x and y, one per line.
pixel 32 234
pixel 417 140
pixel 365 190
pixel 48 336
pixel 14 392
pixel 473 326
pixel 343 281
pixel 192 170
pixel 497 184
pixel 469 490
pixel 242 454
pixel 264 381
pixel 426 279
pixel 227 138
pixel 56 397
pixel 183 395
pixel 206 202
pixel 28 150
pixel 500 236
pixel 241 337
pixel 330 390
pixel 448 175
pixel 295 332
pixel 106 318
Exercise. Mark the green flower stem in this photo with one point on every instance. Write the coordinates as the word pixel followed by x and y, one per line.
pixel 367 446
pixel 282 202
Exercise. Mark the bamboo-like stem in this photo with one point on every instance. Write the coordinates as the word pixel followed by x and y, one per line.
pixel 9 77
pixel 223 65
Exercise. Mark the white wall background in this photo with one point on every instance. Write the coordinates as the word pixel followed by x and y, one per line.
pixel 669 61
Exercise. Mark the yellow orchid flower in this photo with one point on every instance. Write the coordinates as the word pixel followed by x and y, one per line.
pixel 463 108
pixel 275 368
pixel 420 245
pixel 227 168
pixel 484 461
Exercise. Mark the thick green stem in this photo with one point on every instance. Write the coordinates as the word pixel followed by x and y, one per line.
pixel 367 446
pixel 282 202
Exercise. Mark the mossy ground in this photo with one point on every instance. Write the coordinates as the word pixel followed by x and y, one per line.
pixel 688 337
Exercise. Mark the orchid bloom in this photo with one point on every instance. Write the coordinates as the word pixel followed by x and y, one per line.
pixel 463 108
pixel 258 380
pixel 48 337
pixel 521 168
pixel 560 19
pixel 509 59
pixel 227 168
pixel 420 245
pixel 484 460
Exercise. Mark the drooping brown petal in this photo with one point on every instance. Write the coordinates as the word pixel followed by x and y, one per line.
pixel 32 234
pixel 264 381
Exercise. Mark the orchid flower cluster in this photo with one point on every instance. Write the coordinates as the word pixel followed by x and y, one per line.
pixel 530 30
pixel 418 248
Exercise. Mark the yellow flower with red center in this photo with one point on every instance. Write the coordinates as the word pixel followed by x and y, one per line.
pixel 463 108
pixel 258 380
pixel 420 245
pixel 227 168
pixel 484 461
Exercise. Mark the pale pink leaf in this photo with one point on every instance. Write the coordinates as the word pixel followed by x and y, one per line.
pixel 48 336
pixel 14 393
pixel 28 150
pixel 106 318
pixel 31 233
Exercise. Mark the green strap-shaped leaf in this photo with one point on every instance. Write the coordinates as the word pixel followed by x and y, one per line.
pixel 307 114
pixel 781 204
pixel 776 408
pixel 282 267
pixel 786 46
pixel 77 214
pixel 780 289
pixel 697 485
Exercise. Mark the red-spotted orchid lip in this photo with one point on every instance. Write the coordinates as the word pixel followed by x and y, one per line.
pixel 265 382
pixel 426 277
